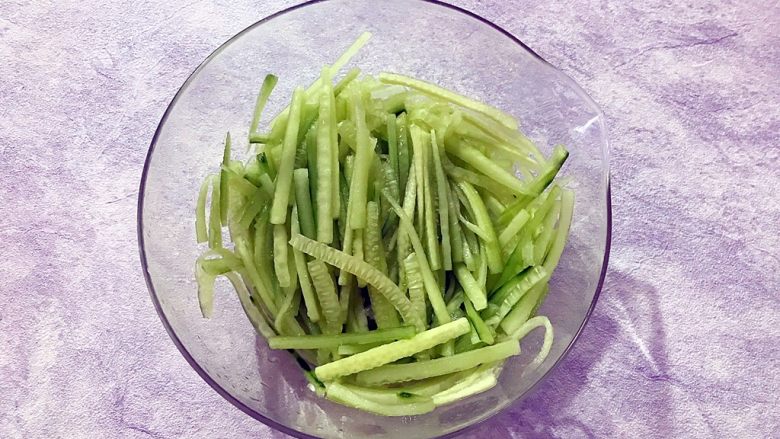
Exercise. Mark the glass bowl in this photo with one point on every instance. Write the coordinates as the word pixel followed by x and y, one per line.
pixel 429 40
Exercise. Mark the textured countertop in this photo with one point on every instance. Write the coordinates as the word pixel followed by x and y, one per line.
pixel 684 341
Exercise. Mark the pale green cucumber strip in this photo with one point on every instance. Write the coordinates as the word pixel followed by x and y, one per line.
pixel 416 288
pixel 252 311
pixel 482 382
pixel 392 149
pixel 444 205
pixel 431 286
pixel 215 224
pixel 483 330
pixel 390 352
pixel 544 240
pixel 280 255
pixel 201 232
pixel 387 396
pixel 307 289
pixel 358 189
pixel 269 82
pixel 384 313
pixel 338 393
pixel 528 326
pixel 288 309
pixel 334 341
pixel 431 234
pixel 523 309
pixel 534 276
pixel 285 174
pixel 403 245
pixel 258 283
pixel 322 280
pixel 360 269
pixel 417 136
pixel 474 291
pixel 495 262
pixel 303 201
pixel 403 152
pixel 352 349
pixel 223 183
pixel 485 165
pixel 396 373
pixel 564 224
pixel 447 95
pixel 513 228
pixel 325 168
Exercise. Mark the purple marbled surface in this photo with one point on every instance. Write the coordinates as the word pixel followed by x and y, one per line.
pixel 683 342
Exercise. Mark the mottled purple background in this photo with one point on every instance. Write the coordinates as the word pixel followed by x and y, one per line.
pixel 683 343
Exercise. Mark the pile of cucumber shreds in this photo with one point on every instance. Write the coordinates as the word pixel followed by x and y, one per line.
pixel 396 237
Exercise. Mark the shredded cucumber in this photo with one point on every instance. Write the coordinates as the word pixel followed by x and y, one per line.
pixel 386 230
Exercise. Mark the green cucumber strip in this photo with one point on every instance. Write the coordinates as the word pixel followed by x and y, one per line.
pixel 417 136
pixel 390 352
pixel 453 306
pixel 543 241
pixel 443 193
pixel 416 291
pixel 403 152
pixel 288 309
pixel 495 262
pixel 334 147
pixel 339 393
pixel 494 206
pixel 459 174
pixel 396 373
pixel 326 293
pixel 250 308
pixel 476 293
pixel 564 224
pixel 403 240
pixel 356 318
pixel 484 332
pixel 345 81
pixel 352 349
pixel 482 269
pixel 201 233
pixel 510 140
pixel 523 310
pixel 252 209
pixel 557 159
pixel 345 298
pixel 307 289
pixel 285 174
pixel 269 82
pixel 528 326
pixel 324 156
pixel 529 279
pixel 447 95
pixel 303 202
pixel 215 224
pixel 480 162
pixel 481 382
pixel 361 270
pixel 358 189
pixel 334 341
pixel 431 286
pixel 384 313
pixel 223 183
pixel 513 228
pixel 280 255
pixel 387 396
pixel 392 149
pixel 205 282
pixel 455 234
pixel 431 235
pixel 259 285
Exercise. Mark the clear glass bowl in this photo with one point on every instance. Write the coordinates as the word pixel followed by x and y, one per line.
pixel 428 40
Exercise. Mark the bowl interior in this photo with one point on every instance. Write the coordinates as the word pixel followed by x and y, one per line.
pixel 427 40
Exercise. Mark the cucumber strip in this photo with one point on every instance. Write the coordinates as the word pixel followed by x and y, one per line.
pixel 543 241
pixel 334 146
pixel 252 209
pixel 480 383
pixel 455 302
pixel 390 352
pixel 416 292
pixel 334 341
pixel 358 189
pixel 288 309
pixel 345 81
pixel 205 282
pixel 475 293
pixel 564 224
pixel 443 193
pixel 431 235
pixel 303 202
pixel 495 262
pixel 326 293
pixel 269 82
pixel 280 255
pixel 402 239
pixel 307 289
pixel 215 223
pixel 491 170
pixel 477 230
pixel 201 232
pixel 250 309
pixel 513 228
pixel 361 270
pixel 524 309
pixel 258 283
pixel 345 297
pixel 285 174
pixel 223 182
pixel 392 150
pixel 529 279
pixel 483 330
pixel 396 373
pixel 387 396
pixel 384 313
pixel 339 393
pixel 455 235
pixel 417 136
pixel 356 318
pixel 325 193
pixel 557 159
pixel 403 152
pixel 530 325
pixel 447 95
pixel 459 174
pixel 352 349
pixel 431 286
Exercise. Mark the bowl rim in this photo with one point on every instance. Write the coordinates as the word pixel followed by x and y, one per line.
pixel 290 430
